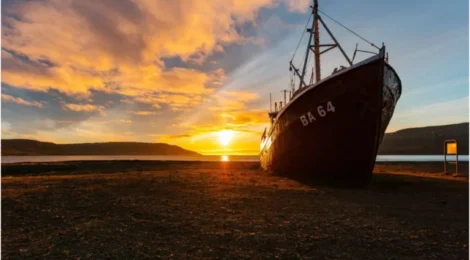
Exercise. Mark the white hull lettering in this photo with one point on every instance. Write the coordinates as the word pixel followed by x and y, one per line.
pixel 309 118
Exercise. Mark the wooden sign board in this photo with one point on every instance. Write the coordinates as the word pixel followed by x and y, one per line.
pixel 451 148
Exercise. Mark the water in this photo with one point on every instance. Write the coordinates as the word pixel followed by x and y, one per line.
pixel 209 158
pixel 419 158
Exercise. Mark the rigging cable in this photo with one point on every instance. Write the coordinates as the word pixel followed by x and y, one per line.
pixel 349 29
pixel 310 60
pixel 298 44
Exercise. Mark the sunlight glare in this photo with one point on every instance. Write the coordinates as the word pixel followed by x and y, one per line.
pixel 224 158
pixel 225 136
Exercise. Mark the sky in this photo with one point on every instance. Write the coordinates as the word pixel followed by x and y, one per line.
pixel 198 74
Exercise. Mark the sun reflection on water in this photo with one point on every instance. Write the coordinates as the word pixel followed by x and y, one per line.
pixel 224 158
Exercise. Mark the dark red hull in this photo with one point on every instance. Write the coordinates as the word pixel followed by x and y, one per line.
pixel 334 128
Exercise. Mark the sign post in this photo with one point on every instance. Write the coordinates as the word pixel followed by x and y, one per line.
pixel 451 148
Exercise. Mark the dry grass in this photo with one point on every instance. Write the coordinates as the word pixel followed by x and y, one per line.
pixel 148 210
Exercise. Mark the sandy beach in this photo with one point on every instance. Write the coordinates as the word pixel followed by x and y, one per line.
pixel 229 210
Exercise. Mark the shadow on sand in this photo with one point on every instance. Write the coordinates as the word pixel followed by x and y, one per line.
pixel 380 181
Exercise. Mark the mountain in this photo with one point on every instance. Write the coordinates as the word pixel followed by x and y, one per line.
pixel 33 147
pixel 425 140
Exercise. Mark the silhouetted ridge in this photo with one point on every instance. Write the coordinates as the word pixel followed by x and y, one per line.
pixel 33 147
pixel 425 140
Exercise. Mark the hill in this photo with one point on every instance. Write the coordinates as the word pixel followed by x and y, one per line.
pixel 425 140
pixel 33 147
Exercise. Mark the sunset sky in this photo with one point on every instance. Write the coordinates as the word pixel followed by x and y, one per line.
pixel 182 72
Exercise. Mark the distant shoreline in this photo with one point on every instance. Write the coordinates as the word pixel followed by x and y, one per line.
pixel 199 158
pixel 412 141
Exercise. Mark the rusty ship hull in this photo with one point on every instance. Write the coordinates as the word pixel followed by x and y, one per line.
pixel 334 127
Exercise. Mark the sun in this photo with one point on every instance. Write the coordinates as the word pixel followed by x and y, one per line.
pixel 225 136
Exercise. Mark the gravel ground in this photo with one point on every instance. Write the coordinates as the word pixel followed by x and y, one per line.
pixel 228 210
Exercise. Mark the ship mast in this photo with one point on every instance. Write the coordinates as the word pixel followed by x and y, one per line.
pixel 316 40
pixel 314 32
pixel 302 83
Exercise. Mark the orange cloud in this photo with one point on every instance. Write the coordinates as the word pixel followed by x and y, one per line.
pixel 177 102
pixel 218 77
pixel 246 96
pixel 118 121
pixel 21 101
pixel 83 107
pixel 232 100
pixel 100 44
pixel 144 113
pixel 240 119
pixel 38 77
